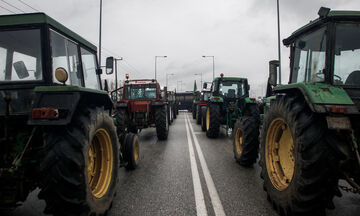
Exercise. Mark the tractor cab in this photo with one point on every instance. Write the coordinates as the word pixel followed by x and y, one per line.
pixel 327 50
pixel 229 88
pixel 36 50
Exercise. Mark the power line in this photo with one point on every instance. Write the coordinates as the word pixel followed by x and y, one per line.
pixel 13 6
pixel 28 5
pixel 7 9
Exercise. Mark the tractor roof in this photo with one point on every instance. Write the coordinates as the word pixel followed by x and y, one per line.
pixel 231 78
pixel 140 82
pixel 41 18
pixel 331 16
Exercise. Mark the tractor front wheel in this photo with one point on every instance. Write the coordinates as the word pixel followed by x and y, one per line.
pixel 296 158
pixel 131 151
pixel 162 122
pixel 198 114
pixel 79 174
pixel 246 140
pixel 213 121
pixel 203 118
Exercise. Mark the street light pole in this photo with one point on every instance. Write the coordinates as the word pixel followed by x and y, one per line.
pixel 155 62
pixel 279 52
pixel 100 32
pixel 167 75
pixel 116 72
pixel 213 58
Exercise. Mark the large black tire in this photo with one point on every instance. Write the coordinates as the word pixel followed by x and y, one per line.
pixel 213 121
pixel 203 118
pixel 162 123
pixel 194 111
pixel 312 185
pixel 246 140
pixel 174 111
pixel 121 117
pixel 170 114
pixel 131 152
pixel 67 186
pixel 198 114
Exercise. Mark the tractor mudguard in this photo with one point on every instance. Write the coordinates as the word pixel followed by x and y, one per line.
pixel 320 97
pixel 63 101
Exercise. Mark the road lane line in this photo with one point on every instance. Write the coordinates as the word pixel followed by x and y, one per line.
pixel 199 196
pixel 215 199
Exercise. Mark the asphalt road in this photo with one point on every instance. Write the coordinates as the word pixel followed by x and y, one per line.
pixel 177 176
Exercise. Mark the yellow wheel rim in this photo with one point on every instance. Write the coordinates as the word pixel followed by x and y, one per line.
pixel 100 164
pixel 207 119
pixel 136 151
pixel 239 140
pixel 279 154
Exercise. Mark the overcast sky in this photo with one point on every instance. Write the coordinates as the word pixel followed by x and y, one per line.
pixel 242 35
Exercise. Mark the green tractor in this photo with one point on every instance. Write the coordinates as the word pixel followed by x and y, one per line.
pixel 311 128
pixel 229 101
pixel 56 129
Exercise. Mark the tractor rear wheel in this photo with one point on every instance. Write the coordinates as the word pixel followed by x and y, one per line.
pixel 203 118
pixel 296 158
pixel 198 114
pixel 246 140
pixel 131 151
pixel 162 122
pixel 212 121
pixel 79 173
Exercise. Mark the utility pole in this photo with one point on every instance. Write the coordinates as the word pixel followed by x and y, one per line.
pixel 279 52
pixel 100 32
pixel 116 72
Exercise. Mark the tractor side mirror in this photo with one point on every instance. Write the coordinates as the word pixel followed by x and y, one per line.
pixel 21 70
pixel 205 85
pixel 109 65
pixel 273 66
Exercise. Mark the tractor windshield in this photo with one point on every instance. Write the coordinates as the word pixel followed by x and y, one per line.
pixel 309 57
pixel 140 92
pixel 232 89
pixel 347 55
pixel 20 55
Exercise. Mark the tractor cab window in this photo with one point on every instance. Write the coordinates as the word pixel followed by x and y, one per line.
pixel 65 54
pixel 309 57
pixel 89 68
pixel 231 89
pixel 347 55
pixel 140 92
pixel 20 55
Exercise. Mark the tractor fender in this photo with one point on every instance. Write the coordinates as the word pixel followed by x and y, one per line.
pixel 319 97
pixel 66 100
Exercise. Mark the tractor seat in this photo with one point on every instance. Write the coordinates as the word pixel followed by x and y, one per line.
pixel 231 93
pixel 353 78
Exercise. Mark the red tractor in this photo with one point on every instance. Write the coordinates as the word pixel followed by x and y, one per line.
pixel 141 104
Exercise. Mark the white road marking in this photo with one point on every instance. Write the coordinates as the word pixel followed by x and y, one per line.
pixel 199 196
pixel 215 199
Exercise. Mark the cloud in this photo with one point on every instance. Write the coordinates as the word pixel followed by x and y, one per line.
pixel 242 35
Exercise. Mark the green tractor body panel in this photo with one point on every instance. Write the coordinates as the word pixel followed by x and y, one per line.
pixel 319 93
pixel 320 97
pixel 216 99
pixel 66 100
pixel 250 101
